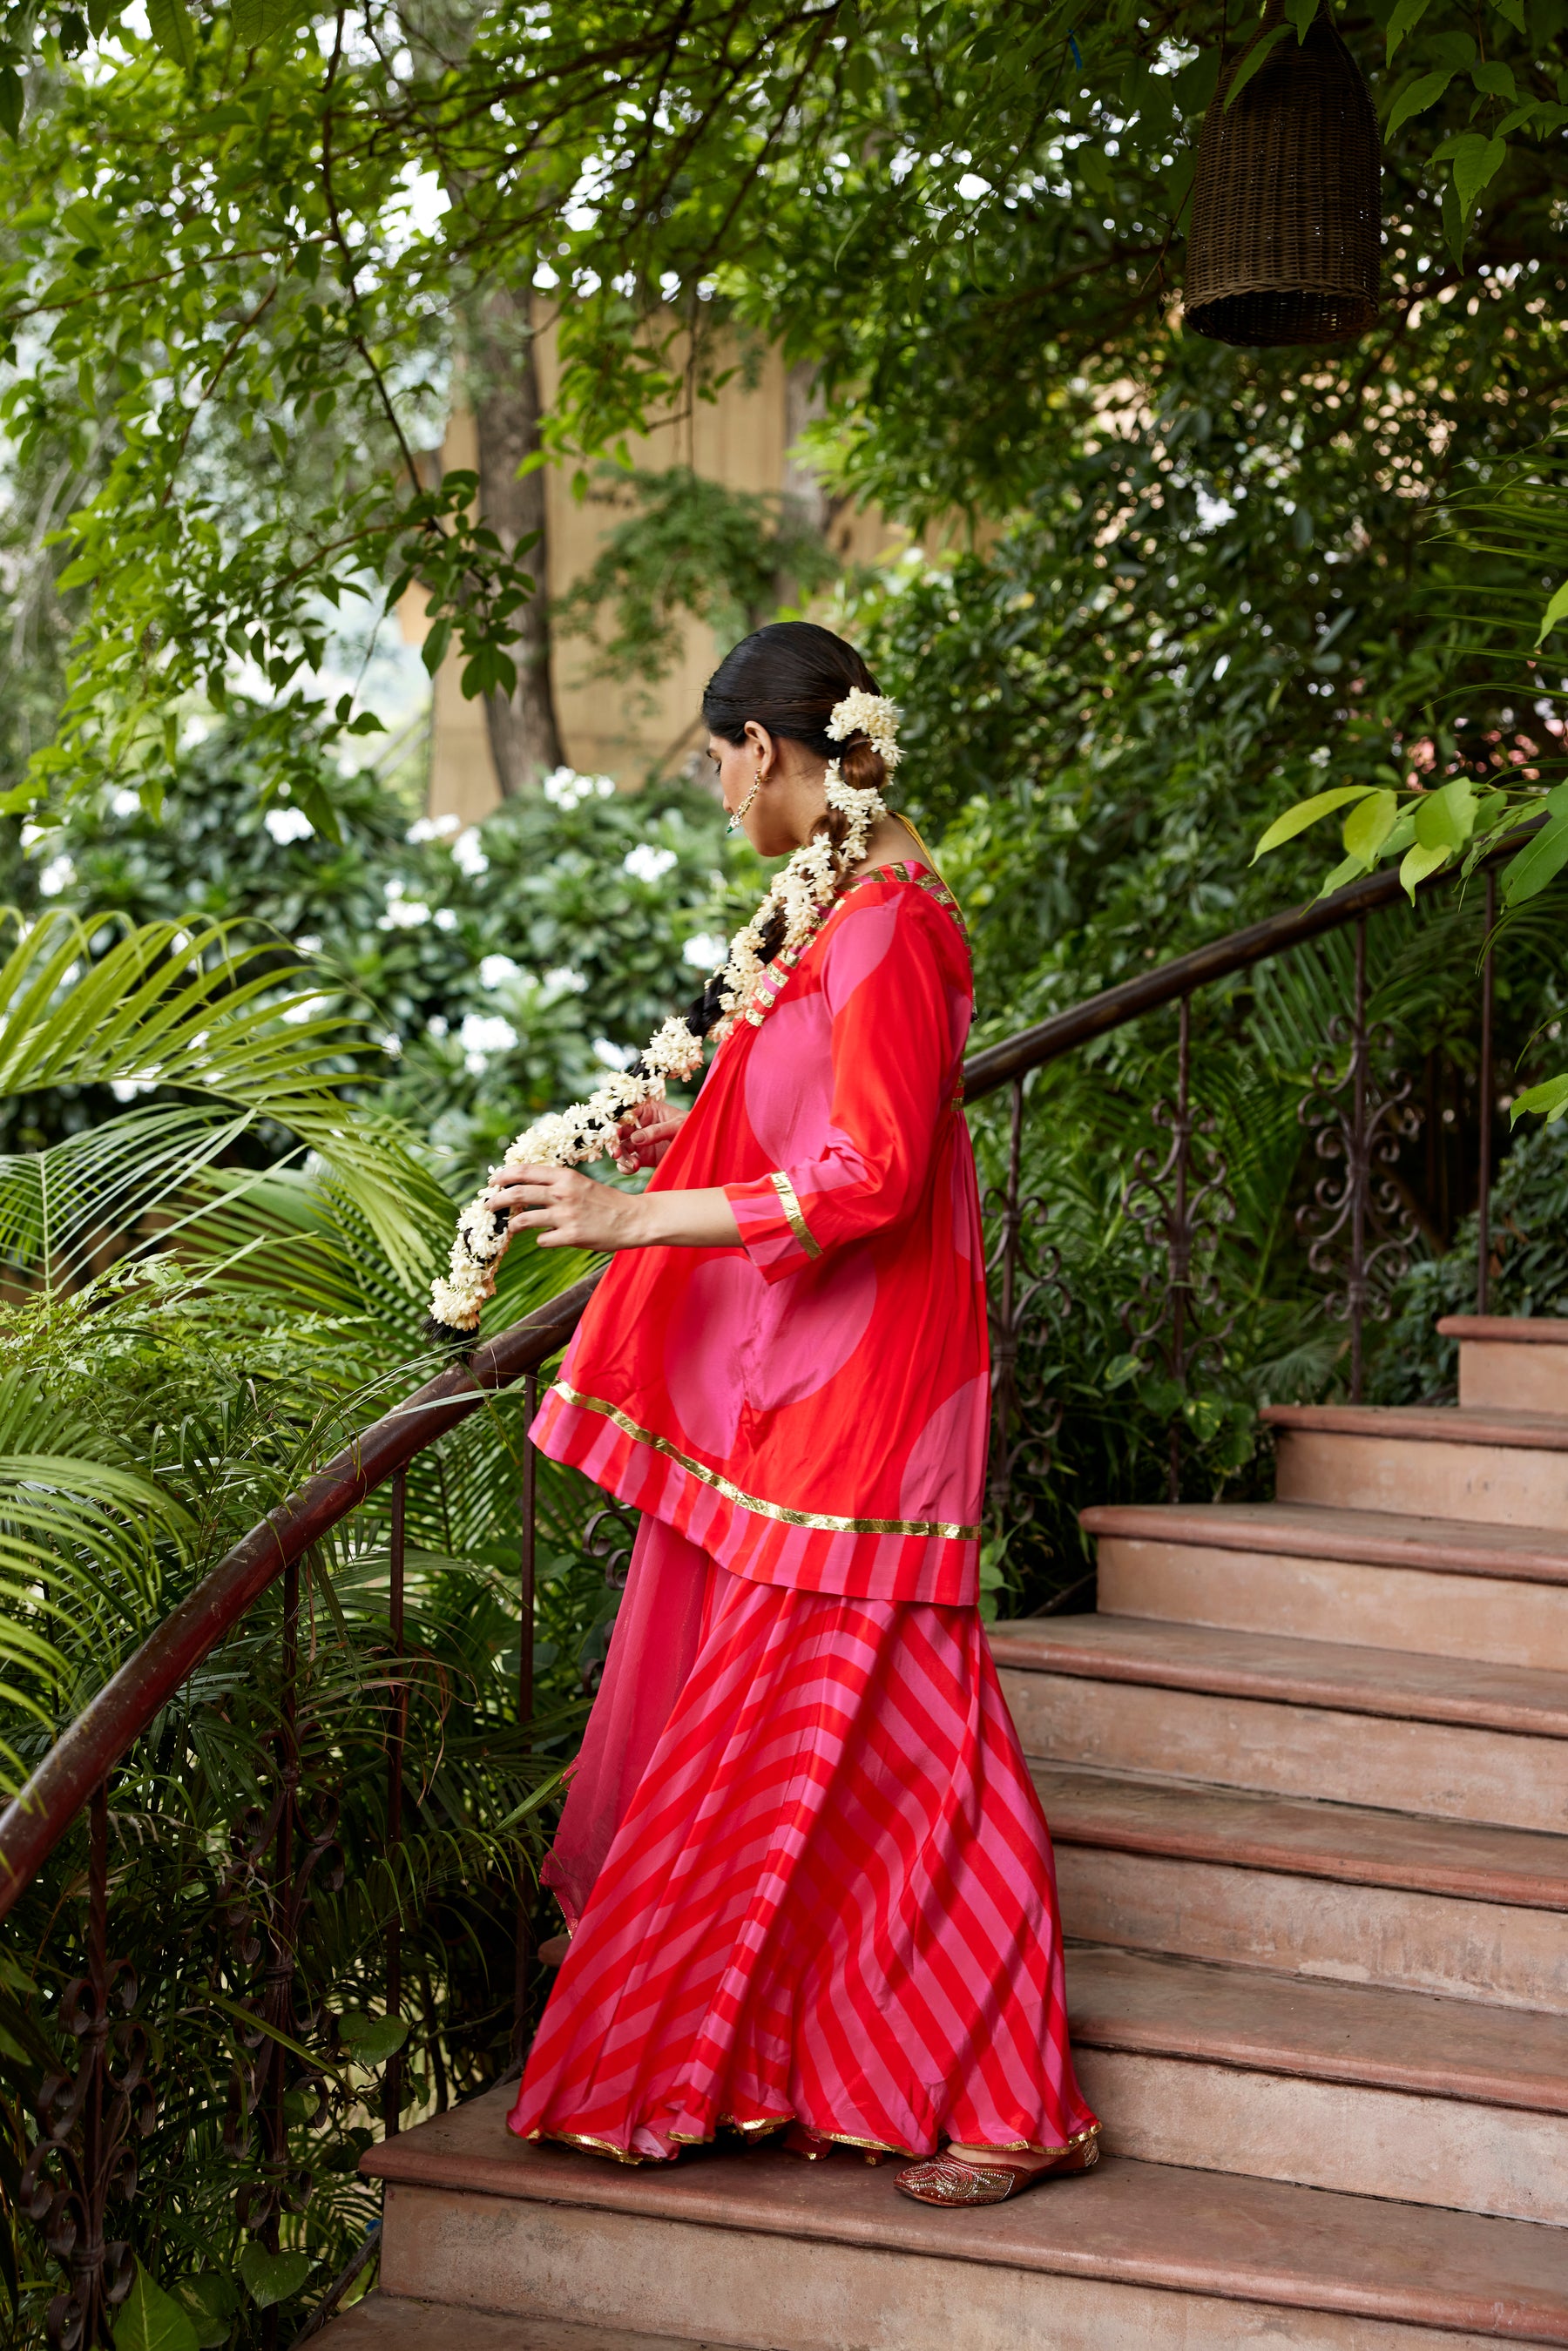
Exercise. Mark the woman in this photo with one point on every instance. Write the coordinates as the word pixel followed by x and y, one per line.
pixel 808 1880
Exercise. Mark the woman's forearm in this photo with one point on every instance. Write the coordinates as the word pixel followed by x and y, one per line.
pixel 685 1220
pixel 564 1209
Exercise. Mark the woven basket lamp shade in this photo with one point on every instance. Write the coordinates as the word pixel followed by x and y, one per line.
pixel 1286 229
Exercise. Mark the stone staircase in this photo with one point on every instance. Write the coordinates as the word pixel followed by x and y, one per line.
pixel 1307 1773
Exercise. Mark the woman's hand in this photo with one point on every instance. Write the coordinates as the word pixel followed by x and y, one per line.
pixel 646 1133
pixel 564 1210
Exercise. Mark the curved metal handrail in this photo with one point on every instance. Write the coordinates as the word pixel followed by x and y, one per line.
pixel 1167 983
pixel 89 1747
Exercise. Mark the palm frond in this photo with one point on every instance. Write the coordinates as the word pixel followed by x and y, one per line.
pixel 204 1013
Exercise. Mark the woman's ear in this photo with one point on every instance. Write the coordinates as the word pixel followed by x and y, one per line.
pixel 759 741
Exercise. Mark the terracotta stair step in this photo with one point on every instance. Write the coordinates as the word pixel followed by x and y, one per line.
pixel 1371 2038
pixel 1413 1685
pixel 1337 1892
pixel 1360 1538
pixel 1366 2091
pixel 1229 2070
pixel 1352 1844
pixel 1518 1330
pixel 1518 1362
pixel 772 2252
pixel 1370 1578
pixel 1503 1467
pixel 1407 1732
pixel 1529 1432
pixel 385 2322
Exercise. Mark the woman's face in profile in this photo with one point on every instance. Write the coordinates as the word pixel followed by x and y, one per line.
pixel 778 818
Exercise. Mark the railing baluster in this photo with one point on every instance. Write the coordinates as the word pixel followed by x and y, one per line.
pixel 89 2119
pixel 397 1735
pixel 526 1557
pixel 90 2259
pixel 1484 1110
pixel 1361 1171
pixel 1005 1328
pixel 279 2005
pixel 1181 1240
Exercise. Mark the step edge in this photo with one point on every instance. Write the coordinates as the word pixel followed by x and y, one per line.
pixel 1302 1691
pixel 1523 1431
pixel 1453 2310
pixel 1179 1528
pixel 1282 2063
pixel 1511 1330
pixel 445 2314
pixel 1459 1882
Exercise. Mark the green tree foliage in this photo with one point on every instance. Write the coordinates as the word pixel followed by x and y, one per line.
pixel 970 218
pixel 687 547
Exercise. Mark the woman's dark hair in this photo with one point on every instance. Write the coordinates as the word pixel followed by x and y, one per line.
pixel 788 677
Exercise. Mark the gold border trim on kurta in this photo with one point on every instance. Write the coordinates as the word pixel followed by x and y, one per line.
pixel 792 1210
pixel 817 1521
pixel 931 883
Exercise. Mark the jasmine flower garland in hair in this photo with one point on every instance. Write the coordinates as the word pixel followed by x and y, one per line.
pixel 802 895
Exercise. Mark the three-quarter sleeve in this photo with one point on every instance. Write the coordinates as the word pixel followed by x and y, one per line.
pixel 894 1060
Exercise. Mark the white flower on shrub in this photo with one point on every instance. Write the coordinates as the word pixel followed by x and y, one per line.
pixel 57 876
pixel 495 970
pixel 403 913
pixel 482 1035
pixel 648 864
pixel 563 981
pixel 286 824
pixel 706 952
pixel 565 789
pixel 469 852
pixel 431 828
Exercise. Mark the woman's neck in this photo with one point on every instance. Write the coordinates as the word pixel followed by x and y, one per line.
pixel 890 839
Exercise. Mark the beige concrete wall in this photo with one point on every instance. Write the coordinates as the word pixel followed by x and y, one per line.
pixel 743 439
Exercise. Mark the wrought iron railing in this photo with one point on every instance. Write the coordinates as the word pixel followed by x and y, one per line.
pixel 99 2103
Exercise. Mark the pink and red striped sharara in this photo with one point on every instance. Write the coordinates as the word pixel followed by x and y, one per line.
pixel 832 1898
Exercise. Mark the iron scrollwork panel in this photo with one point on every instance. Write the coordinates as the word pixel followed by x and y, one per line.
pixel 1357 1226
pixel 1180 1198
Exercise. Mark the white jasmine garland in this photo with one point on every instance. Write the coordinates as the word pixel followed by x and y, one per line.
pixel 803 894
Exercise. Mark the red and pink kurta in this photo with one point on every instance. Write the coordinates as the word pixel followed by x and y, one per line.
pixel 806 1864
pixel 811 1408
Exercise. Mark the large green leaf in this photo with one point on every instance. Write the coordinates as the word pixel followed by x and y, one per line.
pixel 150 2320
pixel 1539 862
pixel 169 22
pixel 271 2278
pixel 1305 812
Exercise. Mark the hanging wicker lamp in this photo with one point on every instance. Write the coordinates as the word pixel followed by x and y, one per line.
pixel 1286 230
